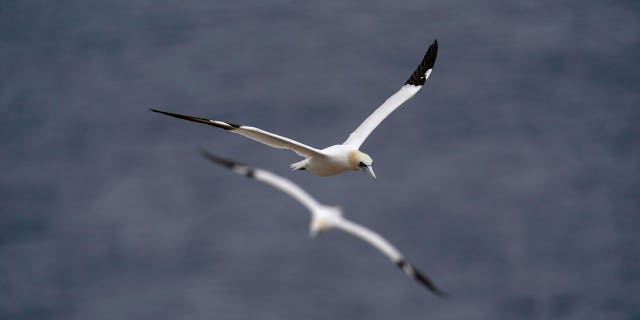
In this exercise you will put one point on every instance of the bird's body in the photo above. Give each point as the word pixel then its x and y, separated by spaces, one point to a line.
pixel 338 158
pixel 333 160
pixel 325 217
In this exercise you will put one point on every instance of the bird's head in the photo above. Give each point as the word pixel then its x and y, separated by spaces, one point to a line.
pixel 323 219
pixel 362 161
pixel 318 226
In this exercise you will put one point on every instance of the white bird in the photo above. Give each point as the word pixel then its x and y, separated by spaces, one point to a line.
pixel 341 157
pixel 324 217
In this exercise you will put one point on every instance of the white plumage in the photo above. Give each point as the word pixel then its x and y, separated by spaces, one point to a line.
pixel 324 217
pixel 342 157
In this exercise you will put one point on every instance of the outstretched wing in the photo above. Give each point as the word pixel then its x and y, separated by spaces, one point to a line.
pixel 267 177
pixel 310 203
pixel 388 250
pixel 252 133
pixel 411 87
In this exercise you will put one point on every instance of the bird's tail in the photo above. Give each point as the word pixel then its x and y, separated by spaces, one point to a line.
pixel 300 165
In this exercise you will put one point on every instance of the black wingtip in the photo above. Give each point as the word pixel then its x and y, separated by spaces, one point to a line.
pixel 428 61
pixel 230 164
pixel 218 124
pixel 169 113
pixel 219 160
pixel 413 272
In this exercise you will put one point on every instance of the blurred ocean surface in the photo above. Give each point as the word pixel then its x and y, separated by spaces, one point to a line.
pixel 512 179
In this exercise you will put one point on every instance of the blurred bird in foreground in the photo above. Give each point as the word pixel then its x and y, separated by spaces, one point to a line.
pixel 324 217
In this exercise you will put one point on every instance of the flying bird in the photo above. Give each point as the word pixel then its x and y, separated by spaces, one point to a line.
pixel 324 217
pixel 341 157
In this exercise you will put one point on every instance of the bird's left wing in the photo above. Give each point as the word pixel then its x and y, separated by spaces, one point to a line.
pixel 267 177
pixel 262 136
pixel 388 250
pixel 411 87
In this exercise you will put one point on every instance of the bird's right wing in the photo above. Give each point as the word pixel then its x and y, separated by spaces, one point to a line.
pixel 411 87
pixel 267 177
pixel 388 250
pixel 255 134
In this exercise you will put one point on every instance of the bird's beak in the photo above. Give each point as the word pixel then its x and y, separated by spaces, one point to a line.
pixel 368 170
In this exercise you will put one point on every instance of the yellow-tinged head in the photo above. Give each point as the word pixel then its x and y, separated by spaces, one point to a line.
pixel 362 161
pixel 324 219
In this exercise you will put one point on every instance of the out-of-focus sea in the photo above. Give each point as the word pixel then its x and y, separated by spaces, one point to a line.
pixel 512 179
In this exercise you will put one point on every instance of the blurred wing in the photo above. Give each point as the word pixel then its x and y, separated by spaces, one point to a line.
pixel 267 177
pixel 411 87
pixel 255 134
pixel 388 250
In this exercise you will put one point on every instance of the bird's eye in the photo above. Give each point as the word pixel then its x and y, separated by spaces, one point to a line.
pixel 361 164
